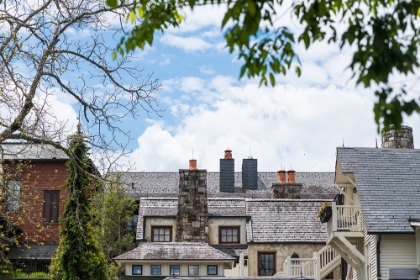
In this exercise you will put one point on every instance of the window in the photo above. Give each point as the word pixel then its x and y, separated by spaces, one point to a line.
pixel 161 234
pixel 193 270
pixel 137 270
pixel 155 270
pixel 229 234
pixel 50 209
pixel 174 270
pixel 212 270
pixel 13 195
pixel 266 264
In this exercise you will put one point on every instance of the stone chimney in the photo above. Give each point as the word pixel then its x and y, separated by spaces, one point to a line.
pixel 398 139
pixel 286 190
pixel 227 173
pixel 192 217
pixel 249 174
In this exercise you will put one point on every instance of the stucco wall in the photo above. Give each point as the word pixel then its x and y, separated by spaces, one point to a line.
pixel 214 224
pixel 150 222
pixel 282 252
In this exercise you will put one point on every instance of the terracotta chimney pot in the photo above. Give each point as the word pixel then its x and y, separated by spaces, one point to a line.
pixel 228 154
pixel 291 176
pixel 281 176
pixel 193 164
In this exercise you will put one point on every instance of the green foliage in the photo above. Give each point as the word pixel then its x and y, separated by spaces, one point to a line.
pixel 78 255
pixel 385 35
pixel 113 214
pixel 38 274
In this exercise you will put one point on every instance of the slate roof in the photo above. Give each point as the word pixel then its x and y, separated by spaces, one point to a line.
pixel 272 220
pixel 158 196
pixel 388 184
pixel 34 252
pixel 174 251
pixel 161 184
pixel 285 220
pixel 30 151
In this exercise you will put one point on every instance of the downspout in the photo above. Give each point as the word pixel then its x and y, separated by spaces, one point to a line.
pixel 378 256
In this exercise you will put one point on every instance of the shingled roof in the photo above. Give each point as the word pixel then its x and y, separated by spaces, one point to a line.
pixel 160 184
pixel 158 196
pixel 29 151
pixel 174 251
pixel 32 252
pixel 388 184
pixel 285 220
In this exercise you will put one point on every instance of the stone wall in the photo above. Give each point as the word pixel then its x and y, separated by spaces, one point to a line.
pixel 192 216
pixel 398 139
pixel 286 190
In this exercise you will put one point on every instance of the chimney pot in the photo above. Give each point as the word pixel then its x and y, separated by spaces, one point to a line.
pixel 193 164
pixel 281 176
pixel 228 154
pixel 291 176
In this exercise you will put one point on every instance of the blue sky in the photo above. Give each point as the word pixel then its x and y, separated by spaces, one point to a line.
pixel 205 109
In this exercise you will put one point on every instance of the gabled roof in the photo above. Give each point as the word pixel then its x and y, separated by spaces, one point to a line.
pixel 284 221
pixel 388 184
pixel 174 251
pixel 28 151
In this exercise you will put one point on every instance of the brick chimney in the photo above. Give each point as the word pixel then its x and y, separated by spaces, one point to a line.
pixel 402 139
pixel 286 190
pixel 249 174
pixel 227 173
pixel 192 217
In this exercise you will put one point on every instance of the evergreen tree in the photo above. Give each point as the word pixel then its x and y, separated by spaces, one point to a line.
pixel 78 255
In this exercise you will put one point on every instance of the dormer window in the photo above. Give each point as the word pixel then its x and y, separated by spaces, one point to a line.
pixel 161 233
pixel 229 234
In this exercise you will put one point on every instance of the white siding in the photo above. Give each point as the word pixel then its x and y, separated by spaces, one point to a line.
pixel 397 251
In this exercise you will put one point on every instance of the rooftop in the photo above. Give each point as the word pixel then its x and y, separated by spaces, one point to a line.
pixel 388 184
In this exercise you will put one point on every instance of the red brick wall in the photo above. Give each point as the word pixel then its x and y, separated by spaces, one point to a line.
pixel 37 176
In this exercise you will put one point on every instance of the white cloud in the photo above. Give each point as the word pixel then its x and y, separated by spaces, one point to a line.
pixel 199 18
pixel 285 125
pixel 188 44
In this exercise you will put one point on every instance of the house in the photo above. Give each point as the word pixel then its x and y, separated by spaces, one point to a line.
pixel 376 228
pixel 265 221
pixel 31 198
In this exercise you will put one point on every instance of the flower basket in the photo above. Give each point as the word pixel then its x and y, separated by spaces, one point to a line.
pixel 326 215
pixel 325 212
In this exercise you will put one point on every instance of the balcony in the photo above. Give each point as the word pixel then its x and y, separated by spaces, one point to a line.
pixel 343 229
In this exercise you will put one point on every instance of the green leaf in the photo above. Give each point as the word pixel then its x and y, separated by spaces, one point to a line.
pixel 272 80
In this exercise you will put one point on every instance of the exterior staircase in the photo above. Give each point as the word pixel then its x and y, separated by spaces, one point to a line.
pixel 319 266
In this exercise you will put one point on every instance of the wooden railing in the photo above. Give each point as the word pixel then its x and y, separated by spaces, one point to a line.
pixel 316 267
pixel 345 218
pixel 300 267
